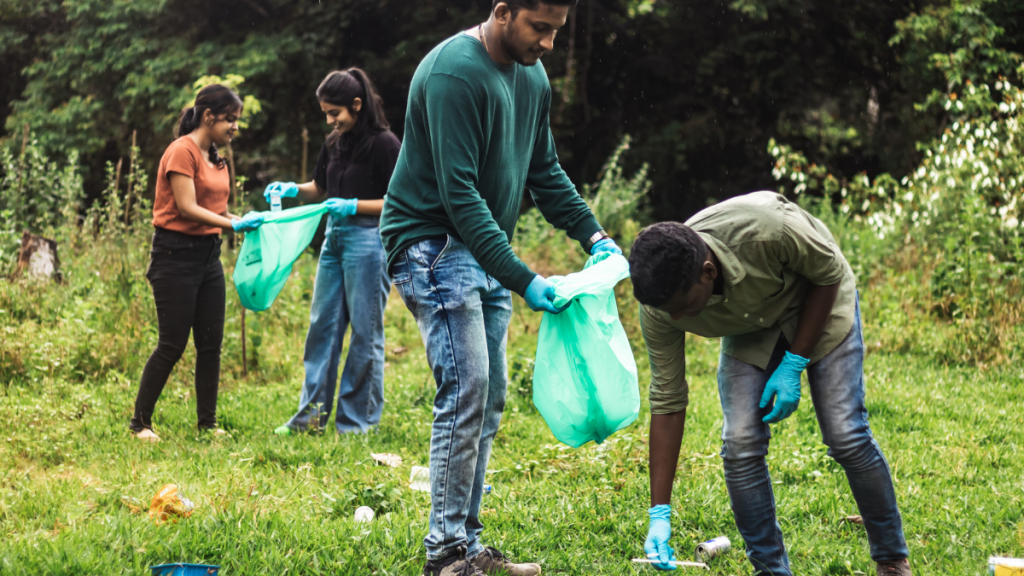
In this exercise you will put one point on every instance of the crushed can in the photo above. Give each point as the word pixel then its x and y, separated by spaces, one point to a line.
pixel 712 549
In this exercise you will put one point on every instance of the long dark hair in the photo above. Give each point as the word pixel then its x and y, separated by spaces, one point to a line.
pixel 216 98
pixel 341 88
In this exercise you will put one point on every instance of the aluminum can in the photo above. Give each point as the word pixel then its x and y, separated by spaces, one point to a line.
pixel 712 549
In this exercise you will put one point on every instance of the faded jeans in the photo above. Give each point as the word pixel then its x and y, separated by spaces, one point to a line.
pixel 351 288
pixel 463 316
pixel 837 391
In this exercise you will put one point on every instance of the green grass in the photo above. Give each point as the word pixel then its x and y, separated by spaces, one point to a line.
pixel 271 505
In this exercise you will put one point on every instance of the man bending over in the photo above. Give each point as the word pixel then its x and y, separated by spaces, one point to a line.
pixel 768 278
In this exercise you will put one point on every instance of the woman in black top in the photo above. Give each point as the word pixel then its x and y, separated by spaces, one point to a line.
pixel 352 285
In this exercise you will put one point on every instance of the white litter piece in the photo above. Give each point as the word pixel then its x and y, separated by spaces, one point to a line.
pixel 393 460
pixel 364 514
pixel 419 479
pixel 676 563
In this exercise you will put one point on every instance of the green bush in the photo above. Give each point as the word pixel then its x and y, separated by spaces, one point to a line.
pixel 950 232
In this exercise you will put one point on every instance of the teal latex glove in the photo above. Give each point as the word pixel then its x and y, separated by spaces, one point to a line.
pixel 540 296
pixel 785 386
pixel 605 245
pixel 282 189
pixel 251 221
pixel 341 207
pixel 656 547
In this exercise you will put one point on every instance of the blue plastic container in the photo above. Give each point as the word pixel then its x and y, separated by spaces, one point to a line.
pixel 184 570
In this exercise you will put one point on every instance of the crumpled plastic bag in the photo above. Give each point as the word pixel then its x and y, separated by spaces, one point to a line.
pixel 585 379
pixel 169 504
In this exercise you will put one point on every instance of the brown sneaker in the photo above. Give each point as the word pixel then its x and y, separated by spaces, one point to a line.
pixel 494 563
pixel 897 568
pixel 453 565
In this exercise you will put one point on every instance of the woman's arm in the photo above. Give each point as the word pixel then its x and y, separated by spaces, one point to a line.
pixel 184 189
pixel 370 207
pixel 310 192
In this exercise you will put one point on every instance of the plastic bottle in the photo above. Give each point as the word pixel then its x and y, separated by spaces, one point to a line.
pixel 275 202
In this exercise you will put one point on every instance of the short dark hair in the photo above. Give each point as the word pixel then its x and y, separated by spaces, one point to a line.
pixel 666 258
pixel 516 5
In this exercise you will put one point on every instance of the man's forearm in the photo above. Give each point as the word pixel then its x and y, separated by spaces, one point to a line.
pixel 817 309
pixel 666 438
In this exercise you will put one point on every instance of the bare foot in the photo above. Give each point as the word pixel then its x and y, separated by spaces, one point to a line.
pixel 147 435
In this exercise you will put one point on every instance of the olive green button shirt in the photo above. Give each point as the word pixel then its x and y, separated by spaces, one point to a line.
pixel 771 252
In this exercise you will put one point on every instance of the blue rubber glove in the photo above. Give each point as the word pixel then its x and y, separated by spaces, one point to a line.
pixel 605 245
pixel 658 533
pixel 785 386
pixel 540 296
pixel 251 221
pixel 341 207
pixel 282 189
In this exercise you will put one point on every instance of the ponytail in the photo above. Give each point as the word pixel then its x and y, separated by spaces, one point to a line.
pixel 219 100
pixel 341 88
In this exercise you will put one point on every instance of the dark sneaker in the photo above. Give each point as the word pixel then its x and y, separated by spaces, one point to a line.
pixel 897 568
pixel 455 564
pixel 494 563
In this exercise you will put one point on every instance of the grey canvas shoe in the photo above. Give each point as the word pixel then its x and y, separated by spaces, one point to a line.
pixel 897 568
pixel 494 563
pixel 455 564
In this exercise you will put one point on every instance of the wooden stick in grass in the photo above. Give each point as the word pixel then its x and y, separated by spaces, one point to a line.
pixel 673 562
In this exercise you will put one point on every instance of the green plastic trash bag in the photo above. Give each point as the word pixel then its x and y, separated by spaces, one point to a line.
pixel 584 380
pixel 268 253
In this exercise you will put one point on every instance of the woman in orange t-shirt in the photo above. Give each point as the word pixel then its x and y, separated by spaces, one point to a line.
pixel 189 212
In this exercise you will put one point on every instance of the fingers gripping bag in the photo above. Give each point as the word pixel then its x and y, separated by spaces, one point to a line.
pixel 267 254
pixel 585 380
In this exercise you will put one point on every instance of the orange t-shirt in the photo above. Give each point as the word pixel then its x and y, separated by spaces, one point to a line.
pixel 213 186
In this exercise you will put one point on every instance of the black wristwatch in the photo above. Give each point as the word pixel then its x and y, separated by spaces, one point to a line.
pixel 597 237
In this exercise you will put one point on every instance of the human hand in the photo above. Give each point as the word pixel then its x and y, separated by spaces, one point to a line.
pixel 282 189
pixel 251 221
pixel 658 534
pixel 785 386
pixel 540 296
pixel 605 245
pixel 341 207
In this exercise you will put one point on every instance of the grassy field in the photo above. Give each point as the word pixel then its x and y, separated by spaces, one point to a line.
pixel 71 477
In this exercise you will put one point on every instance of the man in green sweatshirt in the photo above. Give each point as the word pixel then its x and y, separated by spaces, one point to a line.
pixel 477 136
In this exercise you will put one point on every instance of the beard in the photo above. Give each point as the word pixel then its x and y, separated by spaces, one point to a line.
pixel 520 56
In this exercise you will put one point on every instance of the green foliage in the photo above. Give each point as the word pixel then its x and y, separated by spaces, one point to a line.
pixel 36 194
pixel 957 39
pixel 955 222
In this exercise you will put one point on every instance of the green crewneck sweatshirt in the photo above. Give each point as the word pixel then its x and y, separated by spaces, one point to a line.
pixel 477 135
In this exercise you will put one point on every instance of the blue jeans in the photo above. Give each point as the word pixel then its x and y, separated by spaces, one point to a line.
pixel 837 390
pixel 351 288
pixel 463 316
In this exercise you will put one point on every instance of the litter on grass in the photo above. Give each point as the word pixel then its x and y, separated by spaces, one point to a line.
pixel 712 549
pixel 364 514
pixel 676 563
pixel 169 504
pixel 419 479
pixel 1005 566
pixel 392 460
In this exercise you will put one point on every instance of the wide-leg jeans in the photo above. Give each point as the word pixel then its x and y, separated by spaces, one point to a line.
pixel 463 316
pixel 837 391
pixel 351 288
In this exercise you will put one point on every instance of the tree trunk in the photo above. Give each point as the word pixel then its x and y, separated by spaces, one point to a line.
pixel 37 258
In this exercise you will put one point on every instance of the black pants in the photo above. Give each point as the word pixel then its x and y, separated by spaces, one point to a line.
pixel 188 287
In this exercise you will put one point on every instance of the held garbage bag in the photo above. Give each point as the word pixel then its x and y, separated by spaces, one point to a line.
pixel 267 255
pixel 584 379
